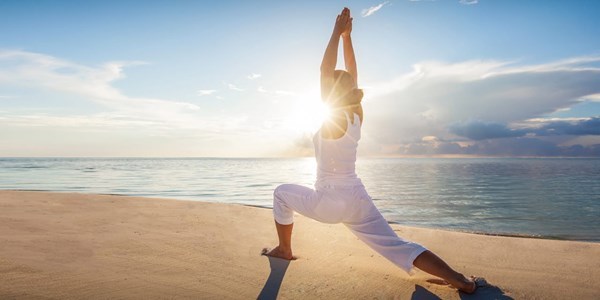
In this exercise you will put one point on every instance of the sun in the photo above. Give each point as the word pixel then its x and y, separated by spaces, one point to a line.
pixel 307 116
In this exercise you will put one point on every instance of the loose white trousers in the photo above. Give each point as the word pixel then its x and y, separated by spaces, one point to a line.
pixel 352 206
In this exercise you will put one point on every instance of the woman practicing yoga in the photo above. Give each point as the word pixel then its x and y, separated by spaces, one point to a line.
pixel 339 195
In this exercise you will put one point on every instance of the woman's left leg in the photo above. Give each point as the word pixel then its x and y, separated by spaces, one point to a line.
pixel 432 264
pixel 284 249
pixel 372 228
pixel 288 198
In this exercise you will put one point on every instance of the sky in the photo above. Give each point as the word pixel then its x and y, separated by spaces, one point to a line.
pixel 241 78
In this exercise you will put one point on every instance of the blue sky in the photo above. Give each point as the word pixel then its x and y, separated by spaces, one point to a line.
pixel 225 78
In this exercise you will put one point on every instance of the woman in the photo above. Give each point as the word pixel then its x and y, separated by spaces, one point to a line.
pixel 339 195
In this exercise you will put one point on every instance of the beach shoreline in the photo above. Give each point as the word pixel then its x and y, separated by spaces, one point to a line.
pixel 74 245
pixel 503 234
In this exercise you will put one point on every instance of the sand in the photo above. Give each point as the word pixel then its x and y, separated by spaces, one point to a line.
pixel 87 246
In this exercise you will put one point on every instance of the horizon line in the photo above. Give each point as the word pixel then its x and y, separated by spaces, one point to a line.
pixel 292 157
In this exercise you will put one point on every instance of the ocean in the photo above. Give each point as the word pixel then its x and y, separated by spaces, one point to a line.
pixel 557 198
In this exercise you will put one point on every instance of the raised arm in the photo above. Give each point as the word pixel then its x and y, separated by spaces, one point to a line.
pixel 330 57
pixel 328 64
pixel 349 58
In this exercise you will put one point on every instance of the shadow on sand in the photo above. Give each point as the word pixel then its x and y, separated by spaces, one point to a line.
pixel 279 267
pixel 487 292
pixel 271 288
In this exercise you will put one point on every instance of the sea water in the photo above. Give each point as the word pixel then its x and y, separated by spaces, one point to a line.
pixel 538 197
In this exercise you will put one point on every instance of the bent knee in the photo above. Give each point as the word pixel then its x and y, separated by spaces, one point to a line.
pixel 279 190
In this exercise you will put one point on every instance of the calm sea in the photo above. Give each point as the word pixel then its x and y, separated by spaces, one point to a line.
pixel 540 197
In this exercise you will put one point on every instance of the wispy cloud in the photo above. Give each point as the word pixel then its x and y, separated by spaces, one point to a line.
pixel 594 98
pixel 253 76
pixel 519 146
pixel 40 71
pixel 121 134
pixel 373 9
pixel 234 88
pixel 120 120
pixel 180 125
pixel 468 2
pixel 480 107
pixel 261 89
pixel 206 92
pixel 284 93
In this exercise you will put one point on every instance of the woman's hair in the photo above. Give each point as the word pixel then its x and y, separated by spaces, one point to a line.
pixel 345 91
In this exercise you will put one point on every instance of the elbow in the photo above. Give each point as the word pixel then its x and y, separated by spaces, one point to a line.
pixel 323 68
pixel 327 67
pixel 323 64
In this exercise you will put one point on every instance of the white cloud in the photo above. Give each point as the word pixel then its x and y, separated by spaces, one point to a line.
pixel 593 98
pixel 234 88
pixel 116 134
pixel 547 120
pixel 253 76
pixel 261 89
pixel 284 93
pixel 125 115
pixel 206 92
pixel 110 121
pixel 435 95
pixel 40 71
pixel 468 2
pixel 126 125
pixel 373 9
pixel 415 108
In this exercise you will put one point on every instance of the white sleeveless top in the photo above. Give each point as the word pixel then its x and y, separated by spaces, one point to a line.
pixel 336 158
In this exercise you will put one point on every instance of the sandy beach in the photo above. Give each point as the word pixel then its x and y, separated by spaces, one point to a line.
pixel 88 246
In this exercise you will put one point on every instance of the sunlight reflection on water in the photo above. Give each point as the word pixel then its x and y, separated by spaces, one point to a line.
pixel 548 197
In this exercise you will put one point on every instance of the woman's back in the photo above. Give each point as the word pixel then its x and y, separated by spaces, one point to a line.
pixel 336 158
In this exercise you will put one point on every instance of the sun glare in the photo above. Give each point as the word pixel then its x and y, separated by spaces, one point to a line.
pixel 308 116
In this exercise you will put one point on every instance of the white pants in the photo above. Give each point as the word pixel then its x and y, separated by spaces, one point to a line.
pixel 352 206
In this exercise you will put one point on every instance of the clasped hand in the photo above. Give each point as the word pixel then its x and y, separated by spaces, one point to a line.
pixel 343 23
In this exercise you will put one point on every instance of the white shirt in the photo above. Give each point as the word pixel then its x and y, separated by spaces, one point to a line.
pixel 336 158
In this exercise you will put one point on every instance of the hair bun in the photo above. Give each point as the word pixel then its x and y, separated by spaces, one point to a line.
pixel 359 94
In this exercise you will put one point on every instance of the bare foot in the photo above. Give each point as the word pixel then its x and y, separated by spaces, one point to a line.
pixel 471 284
pixel 277 252
pixel 438 281
pixel 468 287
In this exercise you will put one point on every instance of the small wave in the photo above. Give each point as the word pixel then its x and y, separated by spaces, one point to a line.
pixel 206 194
pixel 258 185
pixel 112 194
pixel 30 167
pixel 30 190
pixel 76 187
pixel 258 206
pixel 517 235
pixel 503 234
